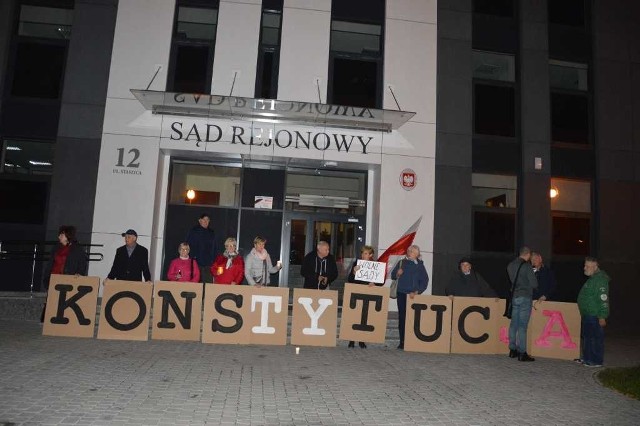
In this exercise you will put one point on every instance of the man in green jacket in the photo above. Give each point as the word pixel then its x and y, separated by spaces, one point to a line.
pixel 593 302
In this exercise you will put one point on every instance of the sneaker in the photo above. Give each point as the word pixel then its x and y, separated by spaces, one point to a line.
pixel 592 365
pixel 351 344
pixel 579 361
pixel 362 345
pixel 513 353
pixel 401 346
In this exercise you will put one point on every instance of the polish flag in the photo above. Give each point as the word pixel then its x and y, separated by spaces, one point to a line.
pixel 399 248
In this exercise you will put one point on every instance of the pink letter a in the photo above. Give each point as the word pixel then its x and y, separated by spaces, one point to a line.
pixel 555 318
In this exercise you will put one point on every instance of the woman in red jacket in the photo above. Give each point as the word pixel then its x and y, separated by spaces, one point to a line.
pixel 228 268
pixel 184 268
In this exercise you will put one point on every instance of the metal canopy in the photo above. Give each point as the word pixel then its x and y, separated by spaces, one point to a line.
pixel 271 110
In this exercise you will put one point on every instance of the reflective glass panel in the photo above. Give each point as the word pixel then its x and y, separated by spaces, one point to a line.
pixel 45 22
pixel 497 191
pixel 27 157
pixel 211 185
pixel 493 66
pixel 568 75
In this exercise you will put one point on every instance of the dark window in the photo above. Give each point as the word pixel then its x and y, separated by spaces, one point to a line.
pixel 494 200
pixel 269 50
pixel 494 110
pixel 571 235
pixel 566 12
pixel 570 118
pixel 23 202
pixel 494 231
pixel 41 42
pixel 503 8
pixel 192 46
pixel 356 53
pixel 38 70
pixel 27 157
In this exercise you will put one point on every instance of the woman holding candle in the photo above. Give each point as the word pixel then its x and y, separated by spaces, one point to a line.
pixel 228 268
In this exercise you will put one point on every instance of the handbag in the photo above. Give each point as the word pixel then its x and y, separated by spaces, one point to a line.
pixel 508 309
pixel 393 289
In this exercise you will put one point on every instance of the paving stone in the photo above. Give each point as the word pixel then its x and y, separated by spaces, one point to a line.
pixel 49 380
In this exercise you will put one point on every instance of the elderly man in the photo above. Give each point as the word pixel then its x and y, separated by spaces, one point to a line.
pixel 546 279
pixel 468 283
pixel 131 262
pixel 593 303
pixel 412 279
pixel 523 282
pixel 319 267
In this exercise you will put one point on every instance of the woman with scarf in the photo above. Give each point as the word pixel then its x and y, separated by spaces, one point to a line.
pixel 257 265
pixel 67 258
pixel 228 268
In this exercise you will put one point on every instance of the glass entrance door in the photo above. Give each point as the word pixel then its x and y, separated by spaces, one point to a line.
pixel 304 230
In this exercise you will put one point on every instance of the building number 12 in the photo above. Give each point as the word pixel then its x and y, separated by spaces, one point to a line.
pixel 134 161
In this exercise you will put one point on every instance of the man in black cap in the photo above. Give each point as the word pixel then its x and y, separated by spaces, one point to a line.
pixel 131 261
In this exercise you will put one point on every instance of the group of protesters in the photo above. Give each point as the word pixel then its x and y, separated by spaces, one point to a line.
pixel 198 261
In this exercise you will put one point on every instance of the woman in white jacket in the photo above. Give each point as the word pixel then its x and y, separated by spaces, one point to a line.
pixel 257 265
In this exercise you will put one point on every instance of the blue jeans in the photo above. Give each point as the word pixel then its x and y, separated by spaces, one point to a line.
pixel 592 340
pixel 519 323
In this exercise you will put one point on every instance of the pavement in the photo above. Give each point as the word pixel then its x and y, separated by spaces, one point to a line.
pixel 53 380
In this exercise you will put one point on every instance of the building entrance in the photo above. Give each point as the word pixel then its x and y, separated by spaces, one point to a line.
pixel 302 232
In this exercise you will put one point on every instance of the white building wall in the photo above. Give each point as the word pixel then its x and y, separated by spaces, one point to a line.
pixel 410 69
pixel 304 50
pixel 135 197
pixel 236 47
pixel 125 195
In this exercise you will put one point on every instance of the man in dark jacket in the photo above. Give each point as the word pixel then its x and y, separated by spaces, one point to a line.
pixel 319 267
pixel 131 262
pixel 546 279
pixel 202 241
pixel 468 283
pixel 523 282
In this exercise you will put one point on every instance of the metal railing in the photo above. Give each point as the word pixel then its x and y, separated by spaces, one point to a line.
pixel 16 256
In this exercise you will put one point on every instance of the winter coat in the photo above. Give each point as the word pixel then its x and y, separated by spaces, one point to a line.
pixel 76 263
pixel 130 268
pixel 414 276
pixel 258 271
pixel 593 299
pixel 234 273
pixel 188 269
pixel 546 283
pixel 202 242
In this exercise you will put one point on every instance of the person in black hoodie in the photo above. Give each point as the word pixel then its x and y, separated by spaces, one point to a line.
pixel 468 283
pixel 319 267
